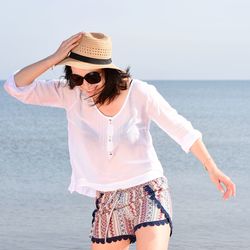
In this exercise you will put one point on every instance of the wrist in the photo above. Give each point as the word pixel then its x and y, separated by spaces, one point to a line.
pixel 51 60
pixel 209 164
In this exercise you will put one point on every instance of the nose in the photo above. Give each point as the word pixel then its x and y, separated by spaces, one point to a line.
pixel 87 86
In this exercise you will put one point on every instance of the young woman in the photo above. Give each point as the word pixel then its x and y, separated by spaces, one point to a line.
pixel 111 150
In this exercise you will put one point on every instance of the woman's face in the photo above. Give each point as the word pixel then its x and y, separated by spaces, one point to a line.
pixel 90 89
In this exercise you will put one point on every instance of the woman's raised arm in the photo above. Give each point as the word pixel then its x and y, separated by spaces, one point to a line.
pixel 29 73
pixel 24 86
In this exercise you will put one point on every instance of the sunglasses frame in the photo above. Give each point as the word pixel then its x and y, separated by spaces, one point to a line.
pixel 80 82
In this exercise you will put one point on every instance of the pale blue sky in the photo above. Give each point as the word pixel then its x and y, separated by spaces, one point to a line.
pixel 179 39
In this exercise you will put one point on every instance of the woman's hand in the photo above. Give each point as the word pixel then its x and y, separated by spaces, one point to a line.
pixel 29 73
pixel 65 47
pixel 223 183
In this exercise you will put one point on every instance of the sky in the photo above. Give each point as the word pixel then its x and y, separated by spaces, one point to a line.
pixel 164 40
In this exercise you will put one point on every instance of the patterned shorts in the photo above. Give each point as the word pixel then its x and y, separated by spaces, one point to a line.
pixel 120 213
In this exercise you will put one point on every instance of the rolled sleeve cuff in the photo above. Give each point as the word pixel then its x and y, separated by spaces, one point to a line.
pixel 10 85
pixel 189 140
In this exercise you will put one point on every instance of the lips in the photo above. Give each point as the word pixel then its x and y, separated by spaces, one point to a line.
pixel 90 91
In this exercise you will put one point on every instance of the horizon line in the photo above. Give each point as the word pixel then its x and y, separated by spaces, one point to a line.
pixel 204 80
pixel 198 79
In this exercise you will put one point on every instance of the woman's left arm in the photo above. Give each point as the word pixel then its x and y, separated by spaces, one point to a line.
pixel 200 151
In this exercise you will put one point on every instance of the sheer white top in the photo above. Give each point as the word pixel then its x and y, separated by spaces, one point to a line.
pixel 109 153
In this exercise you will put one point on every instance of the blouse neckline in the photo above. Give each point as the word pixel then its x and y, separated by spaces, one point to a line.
pixel 122 107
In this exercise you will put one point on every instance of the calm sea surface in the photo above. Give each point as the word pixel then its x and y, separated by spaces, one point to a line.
pixel 37 211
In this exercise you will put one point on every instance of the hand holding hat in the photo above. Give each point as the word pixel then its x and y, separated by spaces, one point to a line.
pixel 66 46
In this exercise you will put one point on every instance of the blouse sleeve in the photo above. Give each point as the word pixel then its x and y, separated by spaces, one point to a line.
pixel 168 119
pixel 40 92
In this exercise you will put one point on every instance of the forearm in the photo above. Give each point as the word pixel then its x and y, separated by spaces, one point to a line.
pixel 200 151
pixel 29 73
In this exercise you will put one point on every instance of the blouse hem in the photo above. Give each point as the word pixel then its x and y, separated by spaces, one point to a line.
pixel 89 189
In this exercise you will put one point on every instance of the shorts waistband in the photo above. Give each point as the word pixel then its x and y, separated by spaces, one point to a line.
pixel 157 182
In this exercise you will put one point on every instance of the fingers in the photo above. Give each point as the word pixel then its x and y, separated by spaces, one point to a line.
pixel 72 42
pixel 230 190
pixel 227 194
pixel 66 46
pixel 74 37
pixel 72 46
pixel 220 187
pixel 224 184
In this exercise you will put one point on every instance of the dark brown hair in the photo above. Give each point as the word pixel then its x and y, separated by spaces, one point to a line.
pixel 115 81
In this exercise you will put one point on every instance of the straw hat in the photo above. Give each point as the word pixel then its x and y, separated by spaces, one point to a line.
pixel 93 52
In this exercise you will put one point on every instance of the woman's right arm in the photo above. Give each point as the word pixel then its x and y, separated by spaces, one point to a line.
pixel 24 86
pixel 28 74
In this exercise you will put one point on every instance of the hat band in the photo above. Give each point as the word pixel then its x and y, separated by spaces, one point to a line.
pixel 89 59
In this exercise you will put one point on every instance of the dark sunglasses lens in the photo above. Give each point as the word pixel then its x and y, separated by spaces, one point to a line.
pixel 76 79
pixel 93 77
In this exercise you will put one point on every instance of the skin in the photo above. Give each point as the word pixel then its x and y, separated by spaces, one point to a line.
pixel 151 237
pixel 147 238
pixel 89 89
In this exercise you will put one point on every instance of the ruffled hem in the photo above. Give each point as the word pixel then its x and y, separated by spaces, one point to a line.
pixel 132 239
pixel 151 194
pixel 151 223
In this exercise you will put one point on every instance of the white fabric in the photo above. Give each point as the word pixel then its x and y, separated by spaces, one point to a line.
pixel 109 153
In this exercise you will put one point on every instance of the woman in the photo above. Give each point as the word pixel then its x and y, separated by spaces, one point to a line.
pixel 111 150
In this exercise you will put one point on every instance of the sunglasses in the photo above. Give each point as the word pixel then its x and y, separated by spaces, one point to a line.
pixel 91 78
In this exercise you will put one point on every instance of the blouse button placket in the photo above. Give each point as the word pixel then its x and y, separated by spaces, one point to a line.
pixel 110 132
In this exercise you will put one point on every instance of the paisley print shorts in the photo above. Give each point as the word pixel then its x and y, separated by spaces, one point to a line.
pixel 120 213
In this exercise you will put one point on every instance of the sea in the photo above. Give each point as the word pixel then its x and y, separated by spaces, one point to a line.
pixel 37 212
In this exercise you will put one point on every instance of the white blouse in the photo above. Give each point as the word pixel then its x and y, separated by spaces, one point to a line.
pixel 109 153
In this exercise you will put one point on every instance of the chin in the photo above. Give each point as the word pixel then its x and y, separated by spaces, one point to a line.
pixel 90 93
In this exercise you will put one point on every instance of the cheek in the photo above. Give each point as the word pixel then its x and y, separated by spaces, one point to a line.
pixel 101 85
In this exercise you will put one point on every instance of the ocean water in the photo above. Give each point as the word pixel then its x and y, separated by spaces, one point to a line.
pixel 38 212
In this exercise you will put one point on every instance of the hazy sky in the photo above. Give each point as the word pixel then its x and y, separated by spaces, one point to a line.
pixel 178 39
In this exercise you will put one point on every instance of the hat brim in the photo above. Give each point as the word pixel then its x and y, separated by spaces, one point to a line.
pixel 84 65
